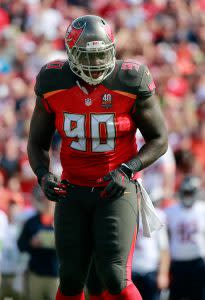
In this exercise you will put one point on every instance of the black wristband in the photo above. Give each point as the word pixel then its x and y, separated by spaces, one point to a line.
pixel 126 170
pixel 135 165
pixel 40 172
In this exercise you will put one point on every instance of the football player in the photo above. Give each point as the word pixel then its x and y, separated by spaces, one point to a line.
pixel 96 103
pixel 186 225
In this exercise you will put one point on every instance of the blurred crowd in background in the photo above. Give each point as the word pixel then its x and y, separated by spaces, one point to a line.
pixel 167 35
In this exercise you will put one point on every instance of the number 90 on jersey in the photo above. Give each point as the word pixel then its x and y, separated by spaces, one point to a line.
pixel 102 131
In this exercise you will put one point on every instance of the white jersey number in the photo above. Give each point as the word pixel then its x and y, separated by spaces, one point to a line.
pixel 74 127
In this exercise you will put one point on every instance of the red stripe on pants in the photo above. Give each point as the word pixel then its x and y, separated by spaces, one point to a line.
pixel 129 260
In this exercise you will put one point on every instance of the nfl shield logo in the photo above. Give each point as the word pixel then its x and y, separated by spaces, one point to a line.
pixel 107 100
pixel 88 101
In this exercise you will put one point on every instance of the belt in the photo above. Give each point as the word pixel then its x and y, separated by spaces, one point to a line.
pixel 65 185
pixel 86 188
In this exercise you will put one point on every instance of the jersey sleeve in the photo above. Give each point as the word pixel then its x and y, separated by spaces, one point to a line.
pixel 147 86
pixel 53 76
pixel 39 92
pixel 50 77
pixel 37 88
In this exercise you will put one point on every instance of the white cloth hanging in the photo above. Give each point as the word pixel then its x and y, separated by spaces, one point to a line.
pixel 149 217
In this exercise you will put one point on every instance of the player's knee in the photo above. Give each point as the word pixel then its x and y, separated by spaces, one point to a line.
pixel 113 278
pixel 95 287
pixel 71 283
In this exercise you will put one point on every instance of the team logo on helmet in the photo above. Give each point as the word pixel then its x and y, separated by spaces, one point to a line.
pixel 106 101
pixel 72 35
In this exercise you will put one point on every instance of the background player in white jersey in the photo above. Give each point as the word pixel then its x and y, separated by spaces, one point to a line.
pixel 151 260
pixel 13 263
pixel 3 233
pixel 186 225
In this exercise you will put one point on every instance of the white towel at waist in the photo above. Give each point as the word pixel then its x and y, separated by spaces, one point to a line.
pixel 149 217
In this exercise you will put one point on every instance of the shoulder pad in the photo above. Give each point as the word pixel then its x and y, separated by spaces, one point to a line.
pixel 129 76
pixel 55 75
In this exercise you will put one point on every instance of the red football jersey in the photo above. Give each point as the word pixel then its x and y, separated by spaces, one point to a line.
pixel 97 129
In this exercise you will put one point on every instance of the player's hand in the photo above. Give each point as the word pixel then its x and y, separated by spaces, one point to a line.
pixel 52 188
pixel 163 281
pixel 117 184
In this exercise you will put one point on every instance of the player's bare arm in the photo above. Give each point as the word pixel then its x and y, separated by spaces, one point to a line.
pixel 150 121
pixel 151 124
pixel 42 129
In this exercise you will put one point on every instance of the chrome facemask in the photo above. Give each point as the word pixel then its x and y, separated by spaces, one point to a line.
pixel 95 58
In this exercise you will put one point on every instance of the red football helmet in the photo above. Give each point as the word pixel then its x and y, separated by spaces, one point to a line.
pixel 90 47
